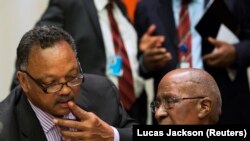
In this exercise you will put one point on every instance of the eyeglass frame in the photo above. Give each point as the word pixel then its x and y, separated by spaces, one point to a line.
pixel 45 88
pixel 168 104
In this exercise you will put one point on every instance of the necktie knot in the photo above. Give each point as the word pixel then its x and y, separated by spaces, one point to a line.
pixel 185 2
pixel 109 6
pixel 184 34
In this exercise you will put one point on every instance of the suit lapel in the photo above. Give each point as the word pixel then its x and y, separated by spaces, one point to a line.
pixel 30 128
pixel 123 9
pixel 92 12
pixel 206 2
pixel 230 4
pixel 165 13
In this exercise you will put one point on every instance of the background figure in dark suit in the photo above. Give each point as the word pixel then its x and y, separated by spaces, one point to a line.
pixel 51 103
pixel 187 96
pixel 162 18
pixel 87 21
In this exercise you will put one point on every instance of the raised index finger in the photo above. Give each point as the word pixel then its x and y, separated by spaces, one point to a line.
pixel 77 111
pixel 151 29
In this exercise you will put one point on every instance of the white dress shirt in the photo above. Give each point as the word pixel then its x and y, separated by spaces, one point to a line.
pixel 129 37
pixel 196 10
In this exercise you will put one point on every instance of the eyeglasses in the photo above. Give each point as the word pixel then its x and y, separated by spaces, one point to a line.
pixel 53 88
pixel 169 102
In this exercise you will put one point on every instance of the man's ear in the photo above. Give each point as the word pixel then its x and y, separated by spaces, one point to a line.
pixel 22 80
pixel 204 108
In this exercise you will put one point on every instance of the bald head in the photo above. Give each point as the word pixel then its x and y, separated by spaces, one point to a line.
pixel 195 85
pixel 193 79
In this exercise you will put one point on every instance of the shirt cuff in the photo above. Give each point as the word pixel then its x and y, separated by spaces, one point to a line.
pixel 116 134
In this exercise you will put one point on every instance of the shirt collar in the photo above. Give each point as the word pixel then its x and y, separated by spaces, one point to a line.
pixel 100 4
pixel 192 1
pixel 46 119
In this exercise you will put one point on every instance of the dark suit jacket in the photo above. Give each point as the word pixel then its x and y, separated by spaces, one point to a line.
pixel 98 95
pixel 235 95
pixel 80 19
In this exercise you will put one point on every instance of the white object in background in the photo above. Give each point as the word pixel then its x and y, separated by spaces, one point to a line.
pixel 226 35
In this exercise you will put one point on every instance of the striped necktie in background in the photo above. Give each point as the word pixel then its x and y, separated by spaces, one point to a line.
pixel 126 86
pixel 184 36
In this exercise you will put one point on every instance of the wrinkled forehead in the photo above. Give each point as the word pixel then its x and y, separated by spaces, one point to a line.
pixel 178 76
pixel 177 88
pixel 59 57
pixel 61 50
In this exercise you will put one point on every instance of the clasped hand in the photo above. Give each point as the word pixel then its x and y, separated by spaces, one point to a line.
pixel 223 55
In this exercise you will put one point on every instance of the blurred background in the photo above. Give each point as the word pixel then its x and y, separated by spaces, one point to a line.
pixel 16 18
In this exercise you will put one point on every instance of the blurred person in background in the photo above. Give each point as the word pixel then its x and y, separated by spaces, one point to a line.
pixel 173 49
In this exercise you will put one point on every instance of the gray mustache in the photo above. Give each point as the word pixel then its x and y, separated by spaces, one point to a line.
pixel 65 98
